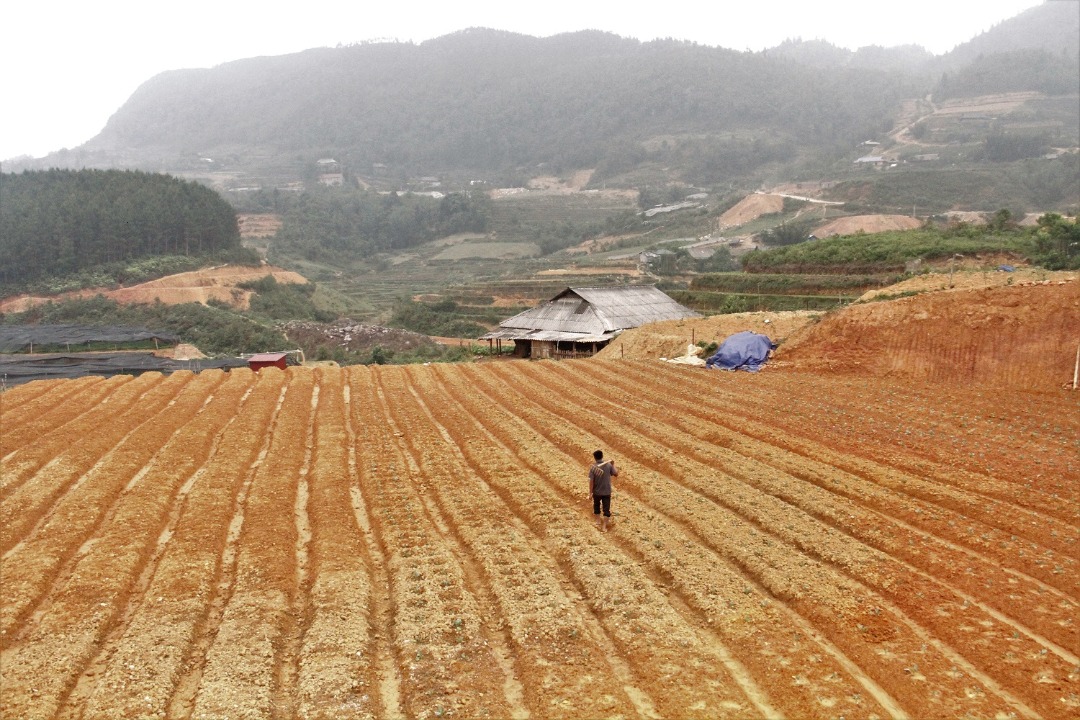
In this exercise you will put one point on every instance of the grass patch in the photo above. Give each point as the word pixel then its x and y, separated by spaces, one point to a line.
pixel 487 251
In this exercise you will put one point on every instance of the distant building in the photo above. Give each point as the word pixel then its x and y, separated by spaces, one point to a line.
pixel 330 172
pixel 581 321
pixel 262 360
pixel 875 161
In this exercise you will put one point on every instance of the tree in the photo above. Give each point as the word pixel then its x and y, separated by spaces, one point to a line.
pixel 1057 242
pixel 787 233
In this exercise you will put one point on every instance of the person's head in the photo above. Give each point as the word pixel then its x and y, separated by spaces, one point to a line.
pixel 598 455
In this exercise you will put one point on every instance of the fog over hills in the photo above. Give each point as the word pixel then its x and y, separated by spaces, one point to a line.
pixel 499 105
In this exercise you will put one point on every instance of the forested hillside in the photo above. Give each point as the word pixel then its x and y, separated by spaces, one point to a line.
pixel 500 107
pixel 484 101
pixel 63 221
pixel 337 225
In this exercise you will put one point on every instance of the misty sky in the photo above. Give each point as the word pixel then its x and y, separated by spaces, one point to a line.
pixel 66 66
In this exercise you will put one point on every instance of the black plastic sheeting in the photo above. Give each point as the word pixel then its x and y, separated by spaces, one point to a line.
pixel 18 369
pixel 22 338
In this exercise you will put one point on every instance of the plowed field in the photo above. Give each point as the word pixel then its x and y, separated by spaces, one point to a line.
pixel 416 541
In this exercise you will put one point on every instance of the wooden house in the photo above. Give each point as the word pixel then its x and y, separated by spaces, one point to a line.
pixel 580 321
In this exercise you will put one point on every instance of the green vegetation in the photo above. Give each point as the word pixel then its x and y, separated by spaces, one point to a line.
pixel 487 104
pixel 274 301
pixel 380 355
pixel 557 222
pixel 214 330
pixel 795 284
pixel 890 252
pixel 115 274
pixel 1031 184
pixel 341 225
pixel 1057 243
pixel 440 319
pixel 679 261
pixel 1018 70
pixel 65 222
pixel 716 303
pixel 787 233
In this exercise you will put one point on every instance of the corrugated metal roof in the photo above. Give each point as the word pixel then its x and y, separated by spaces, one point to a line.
pixel 546 335
pixel 594 312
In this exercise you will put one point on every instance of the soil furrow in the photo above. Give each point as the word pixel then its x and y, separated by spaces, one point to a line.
pixel 961 569
pixel 802 676
pixel 934 605
pixel 843 609
pixel 381 676
pixel 298 617
pixel 942 514
pixel 25 409
pixel 65 635
pixel 334 678
pixel 392 542
pixel 44 559
pixel 543 621
pixel 43 441
pixel 947 453
pixel 447 658
pixel 13 397
pixel 232 395
pixel 51 411
pixel 886 438
pixel 196 578
pixel 241 664
pixel 44 481
pixel 638 615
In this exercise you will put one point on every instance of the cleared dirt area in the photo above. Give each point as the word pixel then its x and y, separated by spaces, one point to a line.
pixel 1020 328
pixel 971 274
pixel 885 524
pixel 219 283
pixel 751 208
pixel 669 339
pixel 867 224
pixel 416 541
pixel 258 225
pixel 999 103
pixel 1024 335
pixel 754 206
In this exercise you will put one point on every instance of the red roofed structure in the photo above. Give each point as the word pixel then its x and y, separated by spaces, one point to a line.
pixel 257 362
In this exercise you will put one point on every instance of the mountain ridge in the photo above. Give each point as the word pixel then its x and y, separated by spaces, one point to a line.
pixel 501 105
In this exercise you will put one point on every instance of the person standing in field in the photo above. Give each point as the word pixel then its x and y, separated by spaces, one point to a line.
pixel 600 475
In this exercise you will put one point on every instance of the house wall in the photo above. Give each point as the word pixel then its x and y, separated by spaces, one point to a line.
pixel 542 349
pixel 545 350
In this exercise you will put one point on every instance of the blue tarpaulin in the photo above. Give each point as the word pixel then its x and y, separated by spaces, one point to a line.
pixel 742 351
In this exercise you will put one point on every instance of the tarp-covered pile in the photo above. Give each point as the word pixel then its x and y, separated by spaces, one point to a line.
pixel 742 351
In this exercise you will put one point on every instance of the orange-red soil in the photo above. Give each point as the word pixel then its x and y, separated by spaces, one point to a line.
pixel 219 283
pixel 258 225
pixel 750 208
pixel 1026 336
pixel 867 224
pixel 416 541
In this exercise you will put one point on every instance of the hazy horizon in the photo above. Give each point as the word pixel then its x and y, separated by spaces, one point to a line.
pixel 68 66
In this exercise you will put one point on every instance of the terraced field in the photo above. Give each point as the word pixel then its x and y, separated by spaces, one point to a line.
pixel 416 541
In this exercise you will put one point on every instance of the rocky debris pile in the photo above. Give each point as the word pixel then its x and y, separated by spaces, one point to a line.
pixel 352 336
